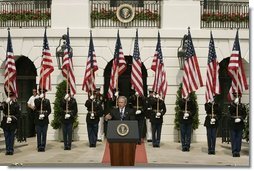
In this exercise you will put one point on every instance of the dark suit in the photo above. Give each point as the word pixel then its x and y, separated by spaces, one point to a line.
pixel 42 106
pixel 92 122
pixel 211 127
pixel 128 114
pixel 67 123
pixel 156 121
pixel 186 123
pixel 10 128
pixel 139 117
pixel 236 128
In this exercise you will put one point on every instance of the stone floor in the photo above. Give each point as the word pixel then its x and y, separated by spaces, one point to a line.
pixel 168 155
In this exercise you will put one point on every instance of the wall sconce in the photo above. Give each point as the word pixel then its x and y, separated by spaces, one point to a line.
pixel 60 51
pixel 181 51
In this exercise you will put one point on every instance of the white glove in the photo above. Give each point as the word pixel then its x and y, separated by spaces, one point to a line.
pixel 186 114
pixel 66 96
pixel 8 100
pixel 213 120
pixel 91 97
pixel 41 116
pixel 158 114
pixel 237 120
pixel 116 94
pixel 9 120
pixel 136 93
pixel 67 116
pixel 157 96
pixel 138 112
pixel 236 101
pixel 41 95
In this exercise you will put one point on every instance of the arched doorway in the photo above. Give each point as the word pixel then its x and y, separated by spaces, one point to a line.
pixel 26 81
pixel 222 99
pixel 124 81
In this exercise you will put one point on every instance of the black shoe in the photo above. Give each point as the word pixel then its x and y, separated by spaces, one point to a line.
pixel 65 148
pixel 7 153
pixel 43 149
pixel 69 148
pixel 183 149
pixel 99 140
pixel 10 153
pixel 149 140
pixel 39 149
pixel 187 149
pixel 234 155
pixel 213 152
pixel 237 154
pixel 154 145
pixel 158 145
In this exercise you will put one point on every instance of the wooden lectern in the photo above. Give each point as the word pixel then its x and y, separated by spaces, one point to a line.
pixel 122 137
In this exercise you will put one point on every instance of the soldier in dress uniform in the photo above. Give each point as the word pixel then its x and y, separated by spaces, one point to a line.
pixel 156 119
pixel 70 110
pixel 100 100
pixel 148 112
pixel 213 114
pixel 136 102
pixel 187 112
pixel 95 111
pixel 9 123
pixel 237 115
pixel 41 120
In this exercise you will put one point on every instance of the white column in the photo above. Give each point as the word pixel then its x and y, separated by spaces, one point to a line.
pixel 70 13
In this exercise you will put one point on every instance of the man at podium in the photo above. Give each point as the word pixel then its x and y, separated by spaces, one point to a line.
pixel 122 112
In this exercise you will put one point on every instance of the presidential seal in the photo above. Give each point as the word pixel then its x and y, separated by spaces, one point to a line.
pixel 122 129
pixel 125 13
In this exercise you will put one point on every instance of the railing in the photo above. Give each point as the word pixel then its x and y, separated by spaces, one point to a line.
pixel 147 13
pixel 219 14
pixel 25 13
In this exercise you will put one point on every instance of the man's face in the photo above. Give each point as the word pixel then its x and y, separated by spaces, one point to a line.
pixel 34 92
pixel 121 103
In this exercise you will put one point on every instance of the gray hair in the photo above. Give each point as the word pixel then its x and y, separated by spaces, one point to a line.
pixel 122 97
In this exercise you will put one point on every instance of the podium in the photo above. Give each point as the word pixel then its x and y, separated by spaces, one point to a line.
pixel 122 137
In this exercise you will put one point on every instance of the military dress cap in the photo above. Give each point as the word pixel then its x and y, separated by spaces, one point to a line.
pixel 150 91
pixel 98 89
pixel 235 94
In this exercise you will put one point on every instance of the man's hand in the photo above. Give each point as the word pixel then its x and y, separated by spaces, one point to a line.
pixel 237 120
pixel 41 95
pixel 9 120
pixel 67 116
pixel 116 94
pixel 108 117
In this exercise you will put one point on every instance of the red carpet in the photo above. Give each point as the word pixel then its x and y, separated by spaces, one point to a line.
pixel 140 156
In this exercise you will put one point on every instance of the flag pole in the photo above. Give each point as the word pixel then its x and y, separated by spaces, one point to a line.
pixel 117 83
pixel 8 93
pixel 92 89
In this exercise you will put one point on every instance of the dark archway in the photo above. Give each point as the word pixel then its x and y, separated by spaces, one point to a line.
pixel 222 99
pixel 125 79
pixel 26 81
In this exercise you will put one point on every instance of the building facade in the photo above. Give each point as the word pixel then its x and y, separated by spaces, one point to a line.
pixel 175 17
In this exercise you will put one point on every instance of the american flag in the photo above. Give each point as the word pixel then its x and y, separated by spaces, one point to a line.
pixel 10 69
pixel 136 72
pixel 236 70
pixel 212 74
pixel 91 67
pixel 46 65
pixel 67 68
pixel 160 83
pixel 192 79
pixel 118 66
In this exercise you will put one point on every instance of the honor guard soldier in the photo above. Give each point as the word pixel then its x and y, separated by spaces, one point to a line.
pixel 70 110
pixel 100 100
pixel 211 123
pixel 9 123
pixel 43 110
pixel 237 115
pixel 136 103
pixel 148 112
pixel 156 118
pixel 95 111
pixel 187 112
